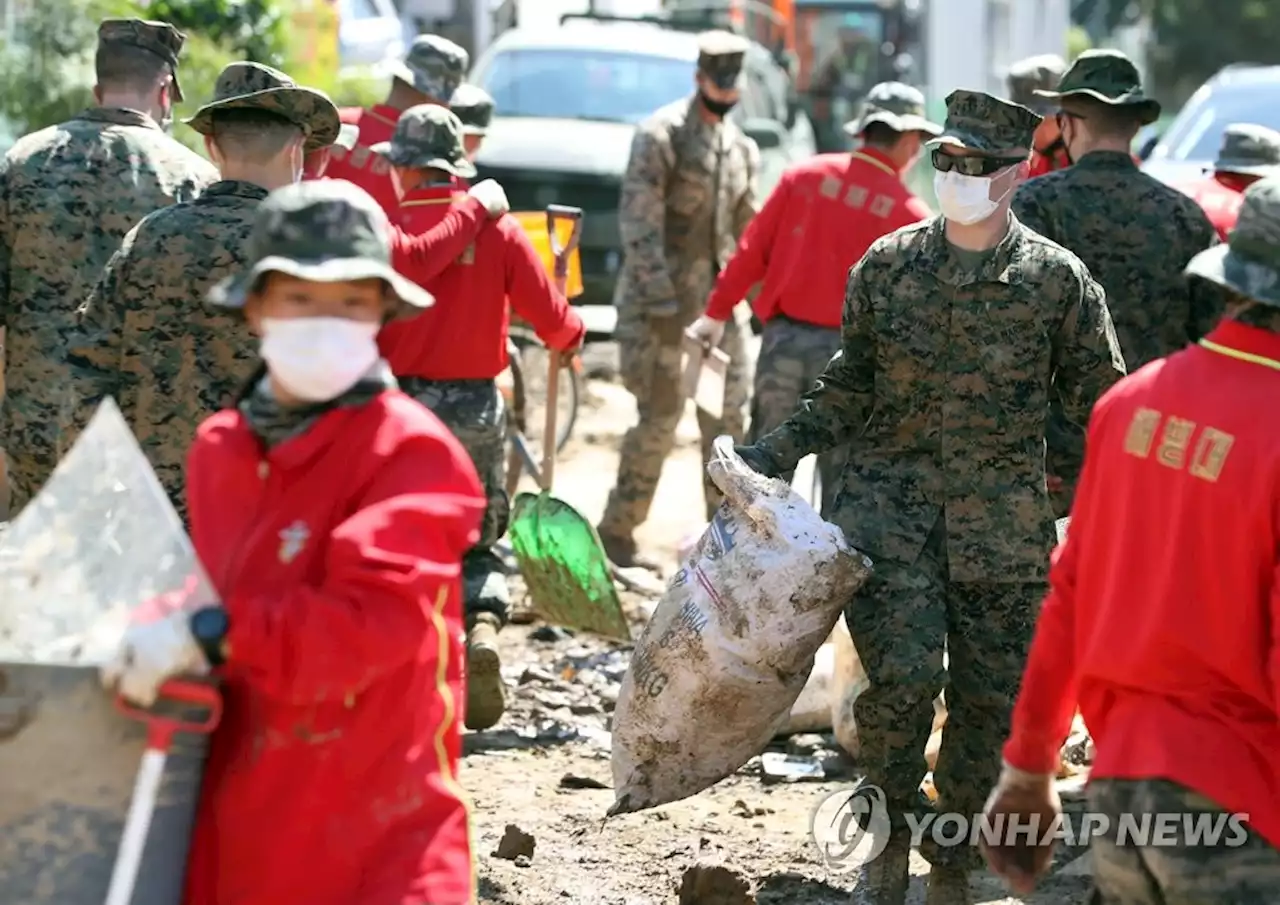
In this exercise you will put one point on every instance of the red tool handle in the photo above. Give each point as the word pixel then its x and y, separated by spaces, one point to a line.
pixel 162 729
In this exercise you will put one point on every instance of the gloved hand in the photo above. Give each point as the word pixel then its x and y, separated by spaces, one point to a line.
pixel 152 653
pixel 662 310
pixel 490 194
pixel 1021 858
pixel 707 330
pixel 758 460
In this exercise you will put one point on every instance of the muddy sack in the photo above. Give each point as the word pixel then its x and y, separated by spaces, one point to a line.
pixel 732 642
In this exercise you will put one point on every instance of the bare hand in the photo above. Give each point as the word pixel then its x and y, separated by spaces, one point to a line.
pixel 1023 821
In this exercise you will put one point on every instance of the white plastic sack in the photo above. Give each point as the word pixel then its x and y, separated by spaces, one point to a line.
pixel 732 641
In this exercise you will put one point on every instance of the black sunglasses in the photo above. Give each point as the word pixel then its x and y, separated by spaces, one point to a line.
pixel 971 166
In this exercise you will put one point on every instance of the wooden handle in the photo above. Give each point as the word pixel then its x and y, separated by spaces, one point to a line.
pixel 549 428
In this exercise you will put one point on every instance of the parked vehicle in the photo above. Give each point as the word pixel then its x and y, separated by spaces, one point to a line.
pixel 567 101
pixel 1240 93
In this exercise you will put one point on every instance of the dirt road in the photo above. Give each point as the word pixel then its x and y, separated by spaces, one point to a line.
pixel 545 769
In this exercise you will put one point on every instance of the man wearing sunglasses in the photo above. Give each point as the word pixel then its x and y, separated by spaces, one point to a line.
pixel 1134 233
pixel 957 331
pixel 821 218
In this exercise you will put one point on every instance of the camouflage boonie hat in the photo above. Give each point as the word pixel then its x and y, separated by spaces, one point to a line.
pixel 1107 76
pixel 160 38
pixel 720 56
pixel 1039 73
pixel 474 108
pixel 1249 150
pixel 254 86
pixel 427 137
pixel 434 66
pixel 328 231
pixel 898 106
pixel 1249 261
pixel 988 124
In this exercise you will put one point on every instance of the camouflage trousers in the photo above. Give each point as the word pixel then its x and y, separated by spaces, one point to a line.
pixel 474 411
pixel 792 357
pixel 1178 874
pixel 651 371
pixel 900 621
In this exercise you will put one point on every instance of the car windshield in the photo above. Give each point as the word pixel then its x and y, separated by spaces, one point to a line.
pixel 1197 132
pixel 584 84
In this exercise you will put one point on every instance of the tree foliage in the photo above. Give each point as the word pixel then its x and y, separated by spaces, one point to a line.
pixel 256 30
pixel 1196 38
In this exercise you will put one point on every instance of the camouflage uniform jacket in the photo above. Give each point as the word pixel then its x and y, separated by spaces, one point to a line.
pixel 1135 235
pixel 68 195
pixel 942 390
pixel 688 194
pixel 148 338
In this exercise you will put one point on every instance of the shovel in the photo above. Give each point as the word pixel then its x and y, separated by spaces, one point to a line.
pixel 568 576
pixel 160 733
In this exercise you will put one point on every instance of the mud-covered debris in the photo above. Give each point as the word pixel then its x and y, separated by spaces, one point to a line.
pixel 523 860
pixel 536 674
pixel 714 883
pixel 776 767
pixel 805 744
pixel 550 634
pixel 515 843
pixel 573 781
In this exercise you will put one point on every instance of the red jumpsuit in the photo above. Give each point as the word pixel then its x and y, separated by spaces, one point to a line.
pixel 332 779
pixel 360 165
pixel 1220 197
pixel 1163 615
pixel 1042 163
pixel 464 336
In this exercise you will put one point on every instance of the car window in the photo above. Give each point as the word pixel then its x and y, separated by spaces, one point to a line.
pixel 1197 131
pixel 584 84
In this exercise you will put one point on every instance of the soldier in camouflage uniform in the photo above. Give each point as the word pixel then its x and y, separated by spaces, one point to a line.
pixel 68 195
pixel 1134 233
pixel 957 332
pixel 148 340
pixel 474 108
pixel 688 194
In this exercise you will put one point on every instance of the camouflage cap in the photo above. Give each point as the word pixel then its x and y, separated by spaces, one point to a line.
pixel 434 66
pixel 1249 261
pixel 1107 76
pixel 985 123
pixel 1250 150
pixel 255 86
pixel 1039 73
pixel 898 106
pixel 428 137
pixel 159 38
pixel 720 56
pixel 474 108
pixel 328 231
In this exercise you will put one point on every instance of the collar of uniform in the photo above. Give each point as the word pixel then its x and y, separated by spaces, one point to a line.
pixel 426 197
pixel 876 158
pixel 236 188
pixel 694 117
pixel 1001 267
pixel 1119 161
pixel 120 116
pixel 389 115
pixel 1244 342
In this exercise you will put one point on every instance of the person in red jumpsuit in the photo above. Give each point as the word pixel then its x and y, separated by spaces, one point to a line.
pixel 1025 77
pixel 331 512
pixel 316 163
pixel 448 358
pixel 431 72
pixel 818 222
pixel 1162 622
pixel 1248 153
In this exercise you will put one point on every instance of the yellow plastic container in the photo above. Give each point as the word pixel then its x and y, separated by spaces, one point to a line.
pixel 535 226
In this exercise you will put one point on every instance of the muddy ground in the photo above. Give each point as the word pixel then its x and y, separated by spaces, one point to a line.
pixel 545 769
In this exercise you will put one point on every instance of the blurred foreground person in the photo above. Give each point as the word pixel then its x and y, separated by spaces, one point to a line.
pixel 1161 622
pixel 688 194
pixel 431 71
pixel 474 108
pixel 818 222
pixel 69 194
pixel 332 511
pixel 1248 153
pixel 1026 77
pixel 449 358
pixel 956 333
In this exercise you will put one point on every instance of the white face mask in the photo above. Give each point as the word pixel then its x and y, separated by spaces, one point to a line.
pixel 966 199
pixel 319 358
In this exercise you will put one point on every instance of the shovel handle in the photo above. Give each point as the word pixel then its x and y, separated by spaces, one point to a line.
pixel 162 729
pixel 549 426
pixel 561 252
